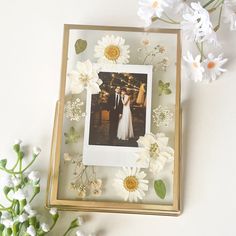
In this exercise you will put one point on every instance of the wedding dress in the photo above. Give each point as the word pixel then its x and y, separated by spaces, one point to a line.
pixel 125 126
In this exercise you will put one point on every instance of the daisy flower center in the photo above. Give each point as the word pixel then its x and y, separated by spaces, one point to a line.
pixel 155 4
pixel 131 183
pixel 195 65
pixel 211 64
pixel 112 52
pixel 145 42
pixel 154 150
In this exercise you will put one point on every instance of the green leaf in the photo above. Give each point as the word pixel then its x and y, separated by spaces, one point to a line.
pixel 3 163
pixel 80 46
pixel 167 91
pixel 160 188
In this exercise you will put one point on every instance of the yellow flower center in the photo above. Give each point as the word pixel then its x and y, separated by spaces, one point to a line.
pixel 112 52
pixel 84 78
pixel 154 150
pixel 211 64
pixel 155 4
pixel 195 65
pixel 131 183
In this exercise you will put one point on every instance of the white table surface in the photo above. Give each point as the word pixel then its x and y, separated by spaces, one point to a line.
pixel 30 60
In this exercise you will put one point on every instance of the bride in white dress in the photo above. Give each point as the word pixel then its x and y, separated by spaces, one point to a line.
pixel 125 126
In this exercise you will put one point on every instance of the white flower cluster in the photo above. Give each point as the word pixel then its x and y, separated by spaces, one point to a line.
pixel 73 109
pixel 197 27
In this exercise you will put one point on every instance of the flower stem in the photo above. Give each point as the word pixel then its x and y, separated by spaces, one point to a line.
pixel 219 19
pixel 18 172
pixel 164 20
pixel 208 3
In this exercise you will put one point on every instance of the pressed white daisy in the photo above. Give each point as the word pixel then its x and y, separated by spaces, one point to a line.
pixel 112 49
pixel 213 66
pixel 130 184
pixel 194 67
pixel 156 152
pixel 196 25
pixel 151 8
pixel 85 77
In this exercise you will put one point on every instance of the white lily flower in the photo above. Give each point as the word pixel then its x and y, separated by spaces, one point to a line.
pixel 31 230
pixel 194 67
pixel 85 77
pixel 53 211
pixel 156 152
pixel 45 227
pixel 36 151
pixel 19 195
pixel 34 176
pixel 213 66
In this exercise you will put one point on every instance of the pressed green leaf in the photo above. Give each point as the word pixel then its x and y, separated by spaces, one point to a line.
pixel 160 188
pixel 80 46
pixel 167 91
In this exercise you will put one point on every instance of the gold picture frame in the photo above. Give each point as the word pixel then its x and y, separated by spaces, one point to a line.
pixel 52 199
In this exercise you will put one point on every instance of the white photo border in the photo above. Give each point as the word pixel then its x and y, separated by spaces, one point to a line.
pixel 117 156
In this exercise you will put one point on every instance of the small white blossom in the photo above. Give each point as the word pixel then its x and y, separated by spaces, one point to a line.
pixel 85 77
pixel 30 211
pixel 31 230
pixel 19 195
pixel 22 218
pixel 80 220
pixel 151 8
pixel 7 181
pixel 8 223
pixel 16 181
pixel 17 142
pixel 80 233
pixel 36 151
pixel 34 176
pixel 53 211
pixel 45 227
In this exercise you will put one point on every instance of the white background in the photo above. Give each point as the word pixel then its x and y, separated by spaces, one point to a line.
pixel 30 58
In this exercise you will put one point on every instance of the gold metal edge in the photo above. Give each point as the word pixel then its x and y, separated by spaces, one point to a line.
pixel 52 199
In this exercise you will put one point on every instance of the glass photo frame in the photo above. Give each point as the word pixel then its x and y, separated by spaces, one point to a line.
pixel 117 128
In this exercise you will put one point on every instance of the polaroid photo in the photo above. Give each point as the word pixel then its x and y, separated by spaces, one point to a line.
pixel 118 116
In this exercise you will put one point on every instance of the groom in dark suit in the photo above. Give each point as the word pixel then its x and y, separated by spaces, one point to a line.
pixel 116 110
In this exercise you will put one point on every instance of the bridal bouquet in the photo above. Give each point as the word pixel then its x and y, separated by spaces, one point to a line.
pixel 200 24
pixel 20 187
